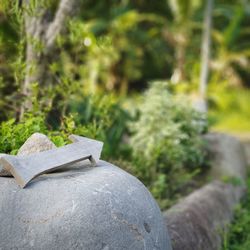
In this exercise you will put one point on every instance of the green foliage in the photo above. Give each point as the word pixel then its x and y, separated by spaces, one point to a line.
pixel 121 45
pixel 13 135
pixel 114 50
pixel 96 117
pixel 231 54
pixel 229 108
pixel 183 9
pixel 166 142
pixel 104 118
pixel 238 238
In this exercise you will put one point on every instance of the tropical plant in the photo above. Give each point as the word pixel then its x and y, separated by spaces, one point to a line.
pixel 183 12
pixel 167 142
pixel 236 237
pixel 232 52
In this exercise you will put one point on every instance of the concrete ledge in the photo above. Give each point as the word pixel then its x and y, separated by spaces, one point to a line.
pixel 197 222
pixel 227 155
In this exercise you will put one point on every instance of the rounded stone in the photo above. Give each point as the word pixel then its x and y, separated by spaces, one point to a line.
pixel 3 172
pixel 37 142
pixel 100 208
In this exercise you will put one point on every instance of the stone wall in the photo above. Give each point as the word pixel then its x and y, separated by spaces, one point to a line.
pixel 197 222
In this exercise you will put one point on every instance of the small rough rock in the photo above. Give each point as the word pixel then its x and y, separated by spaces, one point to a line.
pixel 3 172
pixel 34 144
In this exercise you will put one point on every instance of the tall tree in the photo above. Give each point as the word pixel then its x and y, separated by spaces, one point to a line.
pixel 42 27
pixel 183 12
pixel 205 54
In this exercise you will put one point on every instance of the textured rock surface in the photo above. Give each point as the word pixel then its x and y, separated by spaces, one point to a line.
pixel 247 151
pixel 197 222
pixel 3 172
pixel 82 208
pixel 228 156
pixel 36 143
pixel 245 139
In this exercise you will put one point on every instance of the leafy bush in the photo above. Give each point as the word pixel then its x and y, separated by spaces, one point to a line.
pixel 166 142
pixel 13 135
pixel 96 117
pixel 105 119
pixel 238 238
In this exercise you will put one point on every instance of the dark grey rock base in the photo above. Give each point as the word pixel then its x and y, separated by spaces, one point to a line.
pixel 101 208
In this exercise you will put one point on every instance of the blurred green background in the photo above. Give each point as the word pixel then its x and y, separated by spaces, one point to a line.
pixel 120 46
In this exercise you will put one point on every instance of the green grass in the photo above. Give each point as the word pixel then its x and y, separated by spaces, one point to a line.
pixel 238 236
pixel 229 109
pixel 231 123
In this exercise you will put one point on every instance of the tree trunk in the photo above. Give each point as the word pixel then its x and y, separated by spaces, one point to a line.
pixel 41 31
pixel 180 58
pixel 205 53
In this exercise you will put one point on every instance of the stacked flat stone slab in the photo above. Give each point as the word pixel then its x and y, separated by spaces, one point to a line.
pixel 197 222
pixel 34 144
pixel 100 208
pixel 3 172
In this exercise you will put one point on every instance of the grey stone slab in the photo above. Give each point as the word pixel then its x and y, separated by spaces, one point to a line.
pixel 94 145
pixel 101 208
pixel 26 168
pixel 34 144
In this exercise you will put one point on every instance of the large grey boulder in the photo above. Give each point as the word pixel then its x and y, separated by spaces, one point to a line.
pixel 89 208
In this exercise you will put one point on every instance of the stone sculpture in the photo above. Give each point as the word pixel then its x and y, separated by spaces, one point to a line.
pixel 81 207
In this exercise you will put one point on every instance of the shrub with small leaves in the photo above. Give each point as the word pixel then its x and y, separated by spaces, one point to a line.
pixel 236 236
pixel 13 134
pixel 166 141
pixel 96 117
